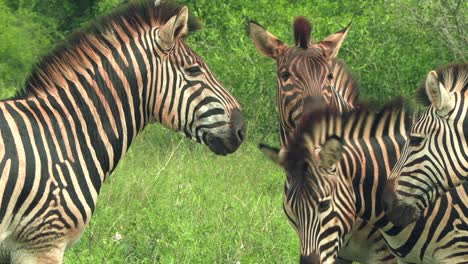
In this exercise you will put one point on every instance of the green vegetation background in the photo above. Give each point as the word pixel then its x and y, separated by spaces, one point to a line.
pixel 171 200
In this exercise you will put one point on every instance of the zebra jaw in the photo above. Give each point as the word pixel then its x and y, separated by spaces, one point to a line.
pixel 399 213
pixel 217 145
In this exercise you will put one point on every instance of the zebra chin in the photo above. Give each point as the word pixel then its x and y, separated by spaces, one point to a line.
pixel 227 142
pixel 313 258
pixel 223 145
pixel 398 212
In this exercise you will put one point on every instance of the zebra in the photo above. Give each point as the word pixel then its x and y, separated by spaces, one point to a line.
pixel 338 166
pixel 311 69
pixel 321 244
pixel 435 159
pixel 305 70
pixel 82 107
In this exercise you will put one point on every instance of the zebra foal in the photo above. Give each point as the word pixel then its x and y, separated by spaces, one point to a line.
pixel 82 107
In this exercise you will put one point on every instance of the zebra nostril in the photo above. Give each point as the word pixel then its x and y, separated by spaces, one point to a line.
pixel 238 126
pixel 240 135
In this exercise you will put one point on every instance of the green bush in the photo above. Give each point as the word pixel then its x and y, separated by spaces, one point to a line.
pixel 24 36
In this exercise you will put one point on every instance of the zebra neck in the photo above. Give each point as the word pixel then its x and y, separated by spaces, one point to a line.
pixel 368 166
pixel 92 118
pixel 344 85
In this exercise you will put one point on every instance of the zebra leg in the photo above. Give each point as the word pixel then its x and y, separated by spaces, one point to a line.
pixel 51 256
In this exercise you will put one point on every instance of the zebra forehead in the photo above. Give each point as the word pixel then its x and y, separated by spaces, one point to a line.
pixel 295 54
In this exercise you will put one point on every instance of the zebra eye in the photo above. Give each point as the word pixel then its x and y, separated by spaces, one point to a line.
pixel 416 141
pixel 285 75
pixel 324 205
pixel 330 76
pixel 193 71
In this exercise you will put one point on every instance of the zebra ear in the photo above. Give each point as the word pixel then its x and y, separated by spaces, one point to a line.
pixel 265 42
pixel 331 153
pixel 332 44
pixel 274 154
pixel 176 27
pixel 438 94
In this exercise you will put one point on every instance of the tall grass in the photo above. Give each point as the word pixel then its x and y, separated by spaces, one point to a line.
pixel 173 201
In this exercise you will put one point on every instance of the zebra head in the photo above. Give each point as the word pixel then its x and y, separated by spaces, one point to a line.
pixel 187 96
pixel 311 196
pixel 435 158
pixel 305 69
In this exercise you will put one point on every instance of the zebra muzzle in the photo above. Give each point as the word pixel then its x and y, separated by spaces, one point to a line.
pixel 399 213
pixel 313 258
pixel 229 141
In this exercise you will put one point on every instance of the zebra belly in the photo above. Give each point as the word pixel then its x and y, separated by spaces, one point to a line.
pixel 366 245
pixel 50 217
pixel 50 230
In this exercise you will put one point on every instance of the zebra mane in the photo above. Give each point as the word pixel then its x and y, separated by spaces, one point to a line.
pixel 137 14
pixel 368 123
pixel 350 96
pixel 454 77
pixel 302 30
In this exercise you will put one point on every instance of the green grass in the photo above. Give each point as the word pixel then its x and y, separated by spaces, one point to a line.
pixel 173 201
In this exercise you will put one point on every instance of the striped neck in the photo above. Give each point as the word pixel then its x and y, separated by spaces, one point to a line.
pixel 102 98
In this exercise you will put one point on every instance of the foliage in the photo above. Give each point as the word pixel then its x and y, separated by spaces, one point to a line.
pixel 447 20
pixel 66 14
pixel 24 36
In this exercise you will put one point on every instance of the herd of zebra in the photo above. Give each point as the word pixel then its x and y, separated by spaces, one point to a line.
pixel 362 184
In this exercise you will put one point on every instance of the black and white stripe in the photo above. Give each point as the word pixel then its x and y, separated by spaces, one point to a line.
pixel 341 164
pixel 435 159
pixel 81 109
pixel 305 71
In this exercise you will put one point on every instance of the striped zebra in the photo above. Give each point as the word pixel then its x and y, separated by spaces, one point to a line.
pixel 80 110
pixel 339 165
pixel 436 156
pixel 305 70
pixel 311 69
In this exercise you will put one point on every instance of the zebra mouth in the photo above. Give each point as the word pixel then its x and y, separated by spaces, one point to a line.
pixel 227 142
pixel 220 146
pixel 399 213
